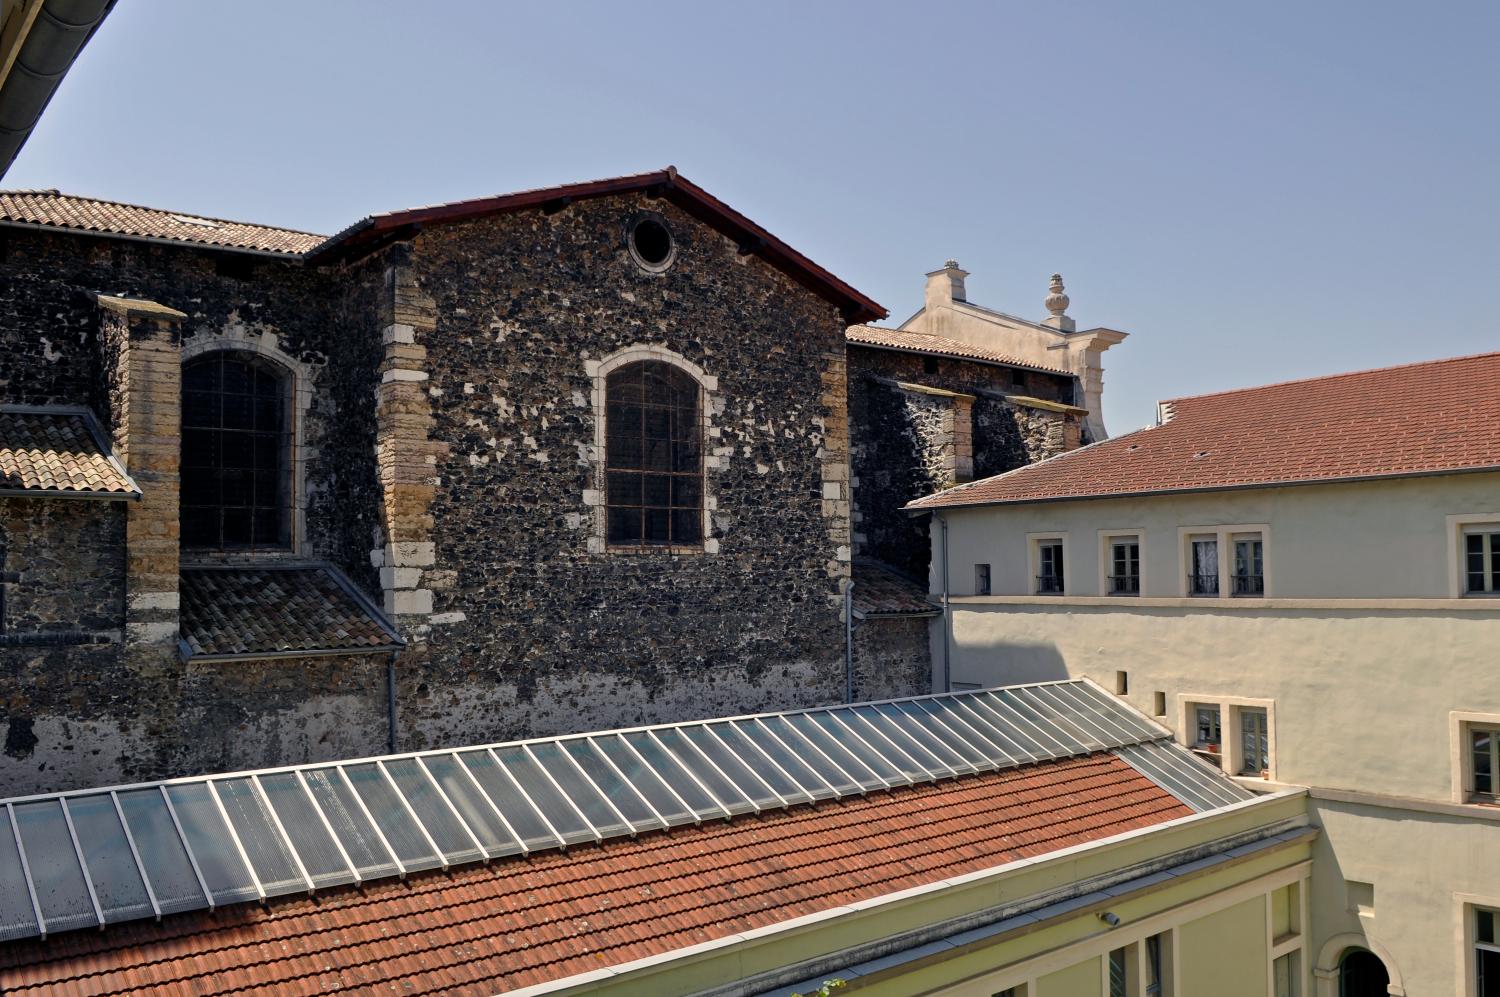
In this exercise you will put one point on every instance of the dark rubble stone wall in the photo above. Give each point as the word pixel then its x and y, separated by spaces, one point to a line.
pixel 890 451
pixel 86 714
pixel 557 638
pixel 892 658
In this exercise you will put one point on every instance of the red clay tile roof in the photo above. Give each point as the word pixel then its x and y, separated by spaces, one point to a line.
pixel 519 922
pixel 880 591
pixel 1436 417
pixel 58 450
pixel 921 342
pixel 276 610
pixel 52 209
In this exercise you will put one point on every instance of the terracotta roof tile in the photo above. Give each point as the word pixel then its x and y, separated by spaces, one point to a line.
pixel 921 342
pixel 880 591
pixel 52 209
pixel 277 610
pixel 1427 418
pixel 58 450
pixel 517 922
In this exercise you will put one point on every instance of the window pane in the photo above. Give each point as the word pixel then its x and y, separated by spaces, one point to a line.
pixel 354 830
pixel 117 882
pixel 1484 776
pixel 305 828
pixel 219 861
pixel 60 889
pixel 235 421
pixel 687 527
pixel 498 787
pixel 162 853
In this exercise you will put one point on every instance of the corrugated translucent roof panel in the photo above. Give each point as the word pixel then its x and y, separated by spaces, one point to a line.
pixel 98 857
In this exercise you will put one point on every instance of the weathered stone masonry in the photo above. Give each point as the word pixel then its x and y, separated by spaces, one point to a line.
pixel 533 626
pixel 925 423
pixel 445 449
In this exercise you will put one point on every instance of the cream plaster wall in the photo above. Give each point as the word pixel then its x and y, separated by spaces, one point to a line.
pixel 1366 540
pixel 1081 980
pixel 1361 655
pixel 1225 952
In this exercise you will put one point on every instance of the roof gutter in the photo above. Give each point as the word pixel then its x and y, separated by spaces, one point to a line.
pixel 59 32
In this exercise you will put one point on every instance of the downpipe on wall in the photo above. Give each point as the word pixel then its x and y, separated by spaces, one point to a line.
pixel 390 703
pixel 947 612
pixel 849 640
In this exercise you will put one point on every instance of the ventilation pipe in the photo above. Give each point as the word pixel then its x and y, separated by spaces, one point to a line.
pixel 58 33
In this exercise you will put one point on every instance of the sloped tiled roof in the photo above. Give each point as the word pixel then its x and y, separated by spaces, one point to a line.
pixel 1437 417
pixel 253 609
pixel 52 209
pixel 879 591
pixel 921 342
pixel 58 450
pixel 521 922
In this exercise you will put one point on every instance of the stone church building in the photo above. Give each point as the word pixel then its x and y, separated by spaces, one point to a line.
pixel 573 458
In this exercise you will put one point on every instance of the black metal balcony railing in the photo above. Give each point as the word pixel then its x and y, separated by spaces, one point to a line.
pixel 1247 584
pixel 1124 584
pixel 1049 585
pixel 1203 584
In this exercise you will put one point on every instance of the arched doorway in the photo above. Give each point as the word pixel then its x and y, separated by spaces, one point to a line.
pixel 1362 974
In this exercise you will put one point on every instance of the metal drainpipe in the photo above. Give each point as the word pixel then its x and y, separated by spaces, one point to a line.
pixel 849 642
pixel 947 611
pixel 390 702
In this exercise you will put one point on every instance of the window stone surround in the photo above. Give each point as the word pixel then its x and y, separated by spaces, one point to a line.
pixel 709 403
pixel 266 344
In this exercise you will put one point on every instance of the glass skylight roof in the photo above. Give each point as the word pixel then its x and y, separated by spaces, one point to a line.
pixel 97 857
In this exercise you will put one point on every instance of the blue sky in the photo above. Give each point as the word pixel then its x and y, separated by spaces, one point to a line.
pixel 1255 191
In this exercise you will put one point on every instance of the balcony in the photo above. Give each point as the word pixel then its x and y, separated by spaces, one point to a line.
pixel 1247 585
pixel 1049 585
pixel 1124 584
pixel 1205 585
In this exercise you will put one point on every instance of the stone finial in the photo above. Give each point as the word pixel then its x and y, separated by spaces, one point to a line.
pixel 1057 307
pixel 1057 301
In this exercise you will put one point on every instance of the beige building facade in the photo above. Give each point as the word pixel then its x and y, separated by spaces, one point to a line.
pixel 1055 341
pixel 1339 636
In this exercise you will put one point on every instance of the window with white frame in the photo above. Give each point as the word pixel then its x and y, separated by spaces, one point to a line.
pixel 1249 575
pixel 1486 952
pixel 1203 565
pixel 1207 734
pixel 1481 559
pixel 1140 969
pixel 1124 565
pixel 1049 561
pixel 1255 741
pixel 1482 745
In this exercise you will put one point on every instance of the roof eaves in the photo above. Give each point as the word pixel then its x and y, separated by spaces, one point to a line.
pixel 101 441
pixel 677 188
pixel 928 502
pixel 951 355
pixel 155 240
pixel 1196 489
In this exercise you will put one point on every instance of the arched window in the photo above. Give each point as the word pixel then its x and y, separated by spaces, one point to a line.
pixel 653 457
pixel 236 453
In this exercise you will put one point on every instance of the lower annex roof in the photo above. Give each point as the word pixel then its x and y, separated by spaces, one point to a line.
pixel 1073 763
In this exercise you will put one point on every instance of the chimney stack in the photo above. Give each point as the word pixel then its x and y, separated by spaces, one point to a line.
pixel 946 286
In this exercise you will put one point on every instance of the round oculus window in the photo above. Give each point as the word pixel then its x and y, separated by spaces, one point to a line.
pixel 651 243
